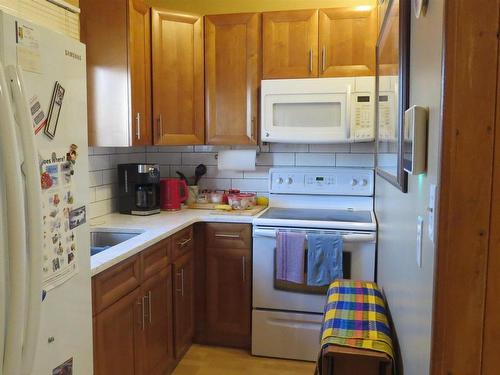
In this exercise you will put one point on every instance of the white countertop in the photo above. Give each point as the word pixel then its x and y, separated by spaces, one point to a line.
pixel 154 228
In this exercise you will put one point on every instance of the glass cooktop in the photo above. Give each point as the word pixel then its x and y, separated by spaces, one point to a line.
pixel 347 216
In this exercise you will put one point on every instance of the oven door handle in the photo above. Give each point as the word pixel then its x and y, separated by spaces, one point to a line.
pixel 351 237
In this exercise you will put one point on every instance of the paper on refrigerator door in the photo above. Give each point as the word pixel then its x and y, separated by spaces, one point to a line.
pixel 28 48
pixel 60 244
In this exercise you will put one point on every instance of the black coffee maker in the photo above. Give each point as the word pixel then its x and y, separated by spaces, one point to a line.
pixel 139 186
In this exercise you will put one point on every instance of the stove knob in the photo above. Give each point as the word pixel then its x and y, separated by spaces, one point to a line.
pixel 354 182
pixel 364 182
pixel 290 181
pixel 280 180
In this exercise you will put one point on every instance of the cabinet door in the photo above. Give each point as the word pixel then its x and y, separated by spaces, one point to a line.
pixel 290 44
pixel 158 342
pixel 232 80
pixel 117 337
pixel 140 71
pixel 228 294
pixel 183 304
pixel 347 40
pixel 178 104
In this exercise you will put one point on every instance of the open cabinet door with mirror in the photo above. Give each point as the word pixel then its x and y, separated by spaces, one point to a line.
pixel 393 56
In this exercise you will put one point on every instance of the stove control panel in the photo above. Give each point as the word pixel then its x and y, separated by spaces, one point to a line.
pixel 324 181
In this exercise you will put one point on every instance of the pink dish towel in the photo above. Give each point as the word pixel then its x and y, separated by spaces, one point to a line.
pixel 290 256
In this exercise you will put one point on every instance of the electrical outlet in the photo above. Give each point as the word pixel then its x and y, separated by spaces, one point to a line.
pixel 420 223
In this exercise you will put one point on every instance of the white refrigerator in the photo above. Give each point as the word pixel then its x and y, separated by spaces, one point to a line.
pixel 45 280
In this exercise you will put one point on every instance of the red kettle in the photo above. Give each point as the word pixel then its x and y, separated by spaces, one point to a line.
pixel 173 191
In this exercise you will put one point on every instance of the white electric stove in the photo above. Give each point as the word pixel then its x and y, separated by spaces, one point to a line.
pixel 286 319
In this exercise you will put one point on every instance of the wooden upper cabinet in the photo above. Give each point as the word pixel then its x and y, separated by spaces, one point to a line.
pixel 232 77
pixel 347 40
pixel 178 103
pixel 139 42
pixel 290 44
pixel 117 35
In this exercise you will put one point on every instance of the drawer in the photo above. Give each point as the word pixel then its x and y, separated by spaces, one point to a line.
pixel 155 258
pixel 182 242
pixel 231 236
pixel 115 283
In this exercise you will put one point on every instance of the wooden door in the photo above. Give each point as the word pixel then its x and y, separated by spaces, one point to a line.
pixel 290 44
pixel 228 296
pixel 347 40
pixel 232 80
pixel 139 51
pixel 158 342
pixel 178 105
pixel 117 336
pixel 183 304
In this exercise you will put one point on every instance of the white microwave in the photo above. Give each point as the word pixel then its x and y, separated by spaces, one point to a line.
pixel 318 110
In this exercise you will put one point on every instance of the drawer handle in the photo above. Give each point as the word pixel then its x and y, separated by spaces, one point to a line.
pixel 184 242
pixel 142 322
pixel 233 236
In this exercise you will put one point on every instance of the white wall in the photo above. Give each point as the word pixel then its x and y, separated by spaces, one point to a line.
pixel 409 289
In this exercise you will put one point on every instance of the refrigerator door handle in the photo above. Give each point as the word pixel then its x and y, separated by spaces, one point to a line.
pixel 31 172
pixel 16 227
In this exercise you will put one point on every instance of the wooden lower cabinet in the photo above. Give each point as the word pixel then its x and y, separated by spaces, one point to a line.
pixel 228 294
pixel 117 333
pixel 157 338
pixel 183 304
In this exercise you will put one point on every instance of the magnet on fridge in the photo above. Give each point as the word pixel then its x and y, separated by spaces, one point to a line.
pixel 54 111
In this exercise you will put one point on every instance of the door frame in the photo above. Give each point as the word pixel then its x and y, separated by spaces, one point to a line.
pixel 466 264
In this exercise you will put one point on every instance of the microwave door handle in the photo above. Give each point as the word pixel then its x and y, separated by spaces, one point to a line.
pixel 348 112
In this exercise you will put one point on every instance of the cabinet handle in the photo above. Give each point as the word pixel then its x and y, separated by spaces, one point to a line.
pixel 310 61
pixel 184 242
pixel 244 268
pixel 323 58
pixel 160 127
pixel 252 127
pixel 182 282
pixel 233 236
pixel 150 313
pixel 138 123
pixel 181 290
pixel 141 303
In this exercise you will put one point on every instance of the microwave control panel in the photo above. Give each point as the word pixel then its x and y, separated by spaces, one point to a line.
pixel 328 181
pixel 387 124
pixel 362 118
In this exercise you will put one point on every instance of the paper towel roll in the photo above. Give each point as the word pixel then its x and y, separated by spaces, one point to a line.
pixel 237 160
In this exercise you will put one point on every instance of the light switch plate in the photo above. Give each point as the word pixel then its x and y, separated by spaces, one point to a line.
pixel 420 226
pixel 432 211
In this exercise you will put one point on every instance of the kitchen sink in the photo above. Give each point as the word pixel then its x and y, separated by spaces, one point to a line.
pixel 103 240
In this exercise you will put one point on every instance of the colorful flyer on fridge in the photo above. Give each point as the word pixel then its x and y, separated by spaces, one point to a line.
pixel 60 247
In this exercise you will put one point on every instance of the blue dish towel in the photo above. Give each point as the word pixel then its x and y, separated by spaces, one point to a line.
pixel 324 258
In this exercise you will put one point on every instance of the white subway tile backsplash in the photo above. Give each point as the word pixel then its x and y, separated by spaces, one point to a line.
pixel 289 147
pixel 215 183
pixel 315 160
pixel 260 172
pixel 250 184
pixel 355 160
pixel 103 176
pixel 164 158
pixel 341 147
pixel 276 159
pixel 196 158
pixel 95 178
pixel 365 148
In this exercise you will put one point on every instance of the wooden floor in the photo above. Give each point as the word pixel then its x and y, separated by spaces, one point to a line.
pixel 209 360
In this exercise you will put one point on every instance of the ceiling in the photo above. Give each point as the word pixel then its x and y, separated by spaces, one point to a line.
pixel 237 6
